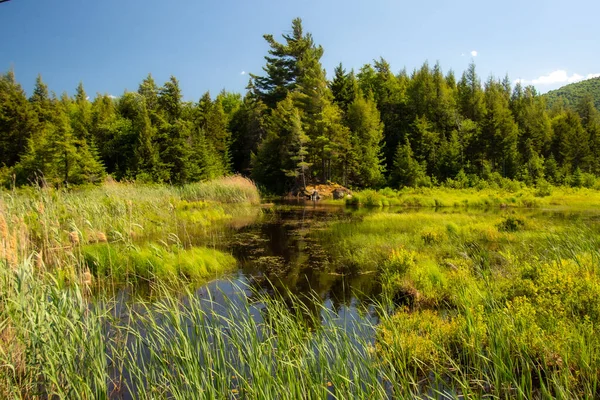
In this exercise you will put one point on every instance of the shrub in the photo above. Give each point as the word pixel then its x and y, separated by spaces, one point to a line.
pixel 511 224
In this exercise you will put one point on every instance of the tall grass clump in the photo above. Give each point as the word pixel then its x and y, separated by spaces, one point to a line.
pixel 154 261
pixel 233 189
pixel 52 341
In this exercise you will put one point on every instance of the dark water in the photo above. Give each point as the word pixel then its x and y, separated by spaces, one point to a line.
pixel 280 251
pixel 278 254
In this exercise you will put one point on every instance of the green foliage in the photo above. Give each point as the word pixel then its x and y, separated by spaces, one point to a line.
pixel 572 93
pixel 511 224
pixel 408 171
pixel 353 130
pixel 366 167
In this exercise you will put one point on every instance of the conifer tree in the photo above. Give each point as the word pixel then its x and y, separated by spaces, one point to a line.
pixel 283 69
pixel 406 171
pixel 272 162
pixel 366 129
pixel 344 87
pixel 470 95
pixel 17 120
pixel 248 128
pixel 173 133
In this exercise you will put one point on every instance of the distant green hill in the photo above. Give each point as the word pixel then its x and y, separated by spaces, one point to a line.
pixel 573 92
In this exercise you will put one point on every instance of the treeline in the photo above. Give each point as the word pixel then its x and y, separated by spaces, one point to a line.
pixel 150 135
pixel 363 129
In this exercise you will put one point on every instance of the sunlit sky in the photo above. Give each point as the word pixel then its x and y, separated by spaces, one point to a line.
pixel 111 45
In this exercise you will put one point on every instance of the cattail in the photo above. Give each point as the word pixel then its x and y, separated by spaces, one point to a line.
pixel 3 227
pixel 101 237
pixel 39 260
pixel 86 278
pixel 74 237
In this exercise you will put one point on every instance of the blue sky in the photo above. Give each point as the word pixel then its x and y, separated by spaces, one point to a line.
pixel 111 45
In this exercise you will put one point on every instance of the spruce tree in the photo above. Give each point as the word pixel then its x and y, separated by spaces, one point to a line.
pixel 366 168
pixel 17 120
pixel 406 170
pixel 248 129
pixel 344 87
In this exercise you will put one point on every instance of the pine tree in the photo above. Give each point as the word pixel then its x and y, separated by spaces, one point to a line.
pixel 212 120
pixel 499 131
pixel 272 162
pixel 58 157
pixel 40 101
pixel 248 128
pixel 172 134
pixel 571 142
pixel 470 95
pixel 17 121
pixel 590 120
pixel 406 171
pixel 149 91
pixel 366 168
pixel 426 142
pixel 283 69
pixel 297 150
pixel 344 87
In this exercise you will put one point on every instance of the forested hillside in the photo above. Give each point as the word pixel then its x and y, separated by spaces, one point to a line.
pixel 574 93
pixel 365 128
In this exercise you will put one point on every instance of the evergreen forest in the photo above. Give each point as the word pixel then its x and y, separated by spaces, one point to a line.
pixel 364 129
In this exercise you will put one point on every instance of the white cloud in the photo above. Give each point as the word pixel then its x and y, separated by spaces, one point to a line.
pixel 243 73
pixel 474 53
pixel 112 97
pixel 557 77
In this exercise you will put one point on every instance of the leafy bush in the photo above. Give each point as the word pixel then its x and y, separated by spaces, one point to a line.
pixel 511 224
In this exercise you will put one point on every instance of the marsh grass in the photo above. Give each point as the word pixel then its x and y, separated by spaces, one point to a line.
pixel 518 197
pixel 262 347
pixel 475 305
pixel 502 304
pixel 155 224
pixel 150 261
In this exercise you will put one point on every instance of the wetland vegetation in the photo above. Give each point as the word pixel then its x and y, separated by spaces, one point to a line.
pixel 465 264
pixel 323 300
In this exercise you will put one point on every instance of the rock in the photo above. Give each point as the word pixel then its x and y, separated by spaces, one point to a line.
pixel 339 194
